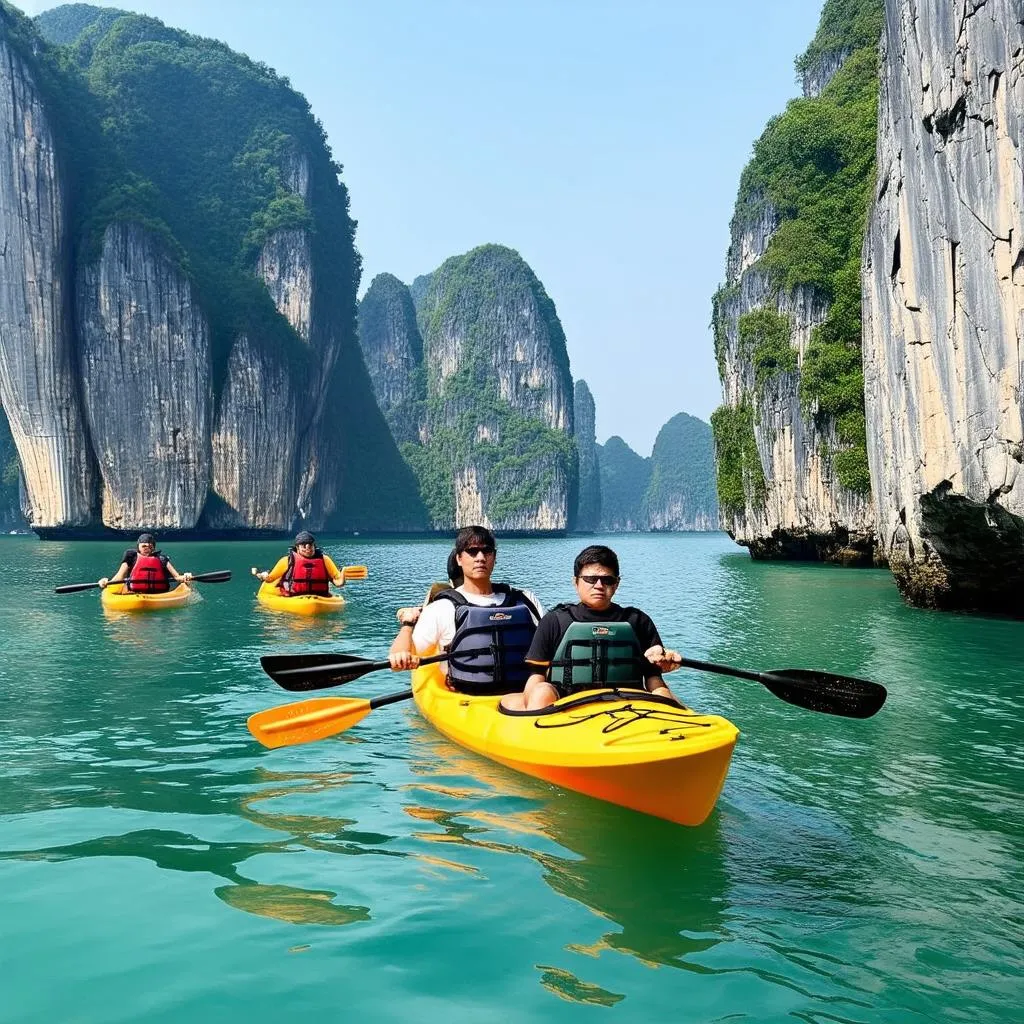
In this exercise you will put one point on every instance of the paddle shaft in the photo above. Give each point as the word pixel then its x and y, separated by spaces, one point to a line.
pixel 363 668
pixel 219 576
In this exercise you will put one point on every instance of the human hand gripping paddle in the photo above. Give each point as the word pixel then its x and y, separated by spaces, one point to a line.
pixel 220 576
pixel 321 717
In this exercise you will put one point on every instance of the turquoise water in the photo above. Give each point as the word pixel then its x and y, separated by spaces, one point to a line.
pixel 156 864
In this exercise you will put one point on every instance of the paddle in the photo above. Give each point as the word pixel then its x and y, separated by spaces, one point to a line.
pixel 826 692
pixel 300 673
pixel 349 572
pixel 315 719
pixel 219 576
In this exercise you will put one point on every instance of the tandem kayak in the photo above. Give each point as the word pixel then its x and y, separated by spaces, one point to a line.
pixel 627 747
pixel 272 596
pixel 115 598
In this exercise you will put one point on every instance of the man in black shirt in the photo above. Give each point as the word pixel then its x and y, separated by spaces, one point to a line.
pixel 596 574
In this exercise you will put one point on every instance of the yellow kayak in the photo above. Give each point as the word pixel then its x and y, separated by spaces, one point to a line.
pixel 117 599
pixel 629 748
pixel 271 596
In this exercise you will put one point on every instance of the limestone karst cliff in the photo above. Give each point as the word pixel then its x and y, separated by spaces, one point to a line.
pixel 588 508
pixel 624 479
pixel 393 352
pixel 177 297
pixel 496 433
pixel 11 517
pixel 790 434
pixel 680 494
pixel 944 304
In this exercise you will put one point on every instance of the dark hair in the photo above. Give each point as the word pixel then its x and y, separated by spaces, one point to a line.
pixel 146 538
pixel 304 537
pixel 596 554
pixel 454 570
pixel 469 536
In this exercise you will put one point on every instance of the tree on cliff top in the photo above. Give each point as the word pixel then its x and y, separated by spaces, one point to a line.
pixel 682 469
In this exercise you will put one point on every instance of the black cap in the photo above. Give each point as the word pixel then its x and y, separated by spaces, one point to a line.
pixel 305 537
pixel 146 538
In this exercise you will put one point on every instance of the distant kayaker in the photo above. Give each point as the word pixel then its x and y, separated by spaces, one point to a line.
pixel 611 645
pixel 472 622
pixel 144 570
pixel 304 570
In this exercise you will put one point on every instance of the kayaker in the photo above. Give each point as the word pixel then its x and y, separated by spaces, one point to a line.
pixel 466 622
pixel 615 646
pixel 144 570
pixel 304 570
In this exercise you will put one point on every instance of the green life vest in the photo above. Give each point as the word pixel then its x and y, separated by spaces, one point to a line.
pixel 608 654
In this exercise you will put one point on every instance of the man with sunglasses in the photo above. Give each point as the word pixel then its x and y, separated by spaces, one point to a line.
pixel 487 647
pixel 593 643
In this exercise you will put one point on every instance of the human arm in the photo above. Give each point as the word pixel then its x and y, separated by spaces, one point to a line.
pixel 122 571
pixel 181 577
pixel 337 576
pixel 276 573
pixel 402 654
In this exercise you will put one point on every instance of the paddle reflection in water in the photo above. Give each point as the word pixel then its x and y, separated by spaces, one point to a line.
pixel 662 885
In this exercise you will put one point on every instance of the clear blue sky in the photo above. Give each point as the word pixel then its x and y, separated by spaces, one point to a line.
pixel 602 139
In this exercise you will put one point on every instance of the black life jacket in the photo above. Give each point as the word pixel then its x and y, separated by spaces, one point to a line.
pixel 488 648
pixel 306 575
pixel 601 653
pixel 147 573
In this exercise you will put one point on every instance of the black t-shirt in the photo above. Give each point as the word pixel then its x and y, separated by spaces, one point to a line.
pixel 132 554
pixel 549 632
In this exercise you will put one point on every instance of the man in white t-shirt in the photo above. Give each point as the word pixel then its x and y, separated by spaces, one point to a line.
pixel 427 631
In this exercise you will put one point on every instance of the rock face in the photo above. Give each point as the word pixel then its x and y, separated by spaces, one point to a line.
pixel 792 476
pixel 144 363
pixel 393 353
pixel 681 491
pixel 498 431
pixel 37 378
pixel 624 479
pixel 11 517
pixel 944 304
pixel 588 515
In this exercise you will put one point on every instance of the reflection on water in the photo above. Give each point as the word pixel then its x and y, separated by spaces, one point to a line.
pixel 295 906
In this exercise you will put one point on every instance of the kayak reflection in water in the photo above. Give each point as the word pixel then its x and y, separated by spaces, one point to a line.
pixel 593 643
pixel 144 570
pixel 465 621
pixel 304 570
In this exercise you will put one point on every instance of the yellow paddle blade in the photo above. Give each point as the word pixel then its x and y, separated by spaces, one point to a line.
pixel 307 720
pixel 354 572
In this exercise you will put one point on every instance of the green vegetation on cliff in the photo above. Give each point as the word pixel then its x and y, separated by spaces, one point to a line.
pixel 10 476
pixel 737 464
pixel 765 334
pixel 815 165
pixel 625 476
pixel 462 308
pixel 682 474
pixel 199 143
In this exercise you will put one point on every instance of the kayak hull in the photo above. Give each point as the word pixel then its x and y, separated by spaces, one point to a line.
pixel 115 599
pixel 269 595
pixel 624 747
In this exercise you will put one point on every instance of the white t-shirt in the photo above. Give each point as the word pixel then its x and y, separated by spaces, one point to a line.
pixel 436 625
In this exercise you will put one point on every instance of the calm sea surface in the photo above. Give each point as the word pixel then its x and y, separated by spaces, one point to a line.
pixel 156 864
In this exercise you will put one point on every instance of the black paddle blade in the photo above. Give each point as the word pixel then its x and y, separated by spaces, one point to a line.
pixel 825 692
pixel 301 673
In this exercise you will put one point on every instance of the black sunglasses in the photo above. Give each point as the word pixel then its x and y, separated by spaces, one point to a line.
pixel 608 581
pixel 473 552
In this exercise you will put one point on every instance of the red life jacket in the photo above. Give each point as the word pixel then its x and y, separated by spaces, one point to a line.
pixel 149 575
pixel 306 575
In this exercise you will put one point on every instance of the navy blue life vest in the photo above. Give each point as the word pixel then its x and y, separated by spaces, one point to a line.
pixel 488 649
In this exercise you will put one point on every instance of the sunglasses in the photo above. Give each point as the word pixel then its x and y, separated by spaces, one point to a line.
pixel 608 581
pixel 474 551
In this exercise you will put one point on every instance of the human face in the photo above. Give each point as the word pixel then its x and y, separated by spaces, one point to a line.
pixel 596 595
pixel 306 549
pixel 146 548
pixel 477 562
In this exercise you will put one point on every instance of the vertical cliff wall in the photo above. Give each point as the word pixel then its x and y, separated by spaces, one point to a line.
pixel 11 516
pixel 393 352
pixel 681 492
pixel 145 369
pixel 624 479
pixel 588 515
pixel 790 435
pixel 37 380
pixel 944 303
pixel 498 435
